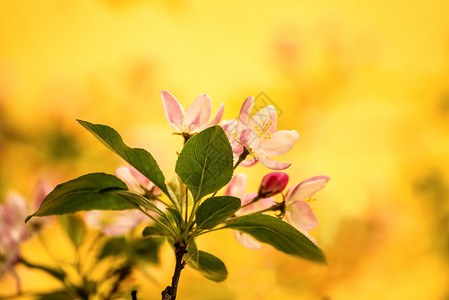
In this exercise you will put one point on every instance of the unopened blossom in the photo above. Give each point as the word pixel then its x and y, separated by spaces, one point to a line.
pixel 259 136
pixel 298 212
pixel 273 184
pixel 137 182
pixel 236 188
pixel 195 118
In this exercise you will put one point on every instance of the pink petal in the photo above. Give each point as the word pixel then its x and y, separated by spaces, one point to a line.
pixel 272 164
pixel 41 191
pixel 306 188
pixel 300 215
pixel 249 162
pixel 124 174
pixel 248 138
pixel 198 113
pixel 259 205
pixel 218 115
pixel 279 143
pixel 173 110
pixel 246 240
pixel 141 179
pixel 246 110
pixel 264 121
pixel 229 128
pixel 236 186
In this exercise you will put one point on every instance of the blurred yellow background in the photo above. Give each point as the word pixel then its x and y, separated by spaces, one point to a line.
pixel 364 83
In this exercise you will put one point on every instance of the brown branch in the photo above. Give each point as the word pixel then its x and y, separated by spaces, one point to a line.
pixel 170 291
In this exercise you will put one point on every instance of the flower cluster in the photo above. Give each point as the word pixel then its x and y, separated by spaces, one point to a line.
pixel 187 206
pixel 253 139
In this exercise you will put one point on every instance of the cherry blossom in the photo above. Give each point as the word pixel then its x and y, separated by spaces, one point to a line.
pixel 236 188
pixel 114 223
pixel 259 136
pixel 137 182
pixel 117 223
pixel 13 231
pixel 195 118
pixel 298 212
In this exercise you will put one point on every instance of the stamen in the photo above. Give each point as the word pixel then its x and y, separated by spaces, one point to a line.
pixel 263 130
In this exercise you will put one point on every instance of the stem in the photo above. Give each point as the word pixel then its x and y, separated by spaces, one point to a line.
pixel 257 198
pixel 242 157
pixel 170 291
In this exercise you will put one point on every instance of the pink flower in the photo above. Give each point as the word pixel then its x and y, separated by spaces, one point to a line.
pixel 117 223
pixel 272 184
pixel 195 118
pixel 236 188
pixel 137 182
pixel 13 231
pixel 258 134
pixel 114 223
pixel 298 212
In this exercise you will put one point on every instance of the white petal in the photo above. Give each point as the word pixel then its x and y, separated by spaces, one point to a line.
pixel 272 164
pixel 246 240
pixel 198 113
pixel 173 110
pixel 306 188
pixel 301 216
pixel 279 143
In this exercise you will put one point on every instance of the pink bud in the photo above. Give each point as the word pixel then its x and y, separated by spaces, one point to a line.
pixel 272 184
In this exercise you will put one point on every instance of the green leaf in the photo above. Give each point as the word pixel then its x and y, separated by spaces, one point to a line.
pixel 175 215
pixel 279 234
pixel 192 253
pixel 87 192
pixel 216 210
pixel 210 267
pixel 205 164
pixel 153 231
pixel 74 227
pixel 146 250
pixel 139 158
pixel 136 199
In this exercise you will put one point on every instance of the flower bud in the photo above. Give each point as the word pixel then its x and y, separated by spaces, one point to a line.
pixel 272 184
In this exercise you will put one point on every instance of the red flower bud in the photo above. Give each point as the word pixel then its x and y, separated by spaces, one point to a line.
pixel 272 184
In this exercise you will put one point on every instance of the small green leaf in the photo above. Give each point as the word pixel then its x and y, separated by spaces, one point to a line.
pixel 136 199
pixel 139 158
pixel 175 215
pixel 192 253
pixel 87 192
pixel 279 234
pixel 153 231
pixel 216 210
pixel 210 267
pixel 205 164
pixel 74 227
